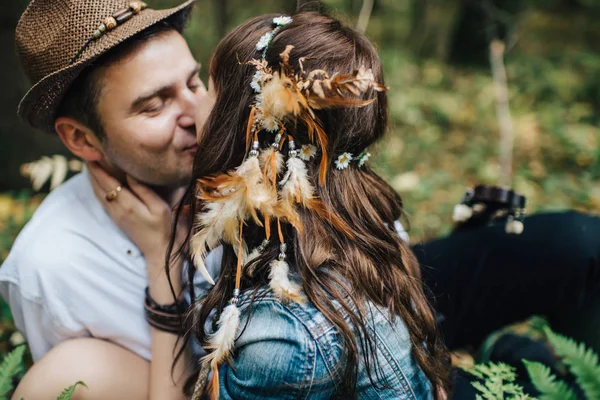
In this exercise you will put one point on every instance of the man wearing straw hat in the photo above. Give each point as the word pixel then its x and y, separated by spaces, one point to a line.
pixel 117 82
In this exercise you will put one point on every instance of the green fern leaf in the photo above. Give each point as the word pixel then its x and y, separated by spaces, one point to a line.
pixel 547 384
pixel 523 397
pixel 582 362
pixel 496 381
pixel 68 392
pixel 11 366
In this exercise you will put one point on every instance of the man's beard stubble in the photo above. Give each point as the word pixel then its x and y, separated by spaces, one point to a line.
pixel 154 172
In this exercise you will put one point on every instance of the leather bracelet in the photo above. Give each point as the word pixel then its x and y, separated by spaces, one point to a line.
pixel 167 318
pixel 168 308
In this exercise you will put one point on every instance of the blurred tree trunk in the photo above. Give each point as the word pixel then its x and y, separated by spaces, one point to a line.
pixel 479 22
pixel 418 25
pixel 18 142
pixel 571 4
pixel 222 17
pixel 431 23
pixel 365 15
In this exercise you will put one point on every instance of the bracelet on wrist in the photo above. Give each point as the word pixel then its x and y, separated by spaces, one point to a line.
pixel 168 318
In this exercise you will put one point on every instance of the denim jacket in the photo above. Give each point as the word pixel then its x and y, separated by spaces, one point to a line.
pixel 291 351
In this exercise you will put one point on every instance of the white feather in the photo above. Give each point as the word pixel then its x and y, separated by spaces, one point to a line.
pixel 297 184
pixel 257 196
pixel 280 282
pixel 198 245
pixel 223 340
pixel 212 221
pixel 253 256
pixel 265 155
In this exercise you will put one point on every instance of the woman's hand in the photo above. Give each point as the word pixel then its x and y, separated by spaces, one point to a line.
pixel 148 221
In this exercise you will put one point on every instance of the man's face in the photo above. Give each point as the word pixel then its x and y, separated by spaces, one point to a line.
pixel 147 107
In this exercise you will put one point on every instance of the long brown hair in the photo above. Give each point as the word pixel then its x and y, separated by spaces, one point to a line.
pixel 372 264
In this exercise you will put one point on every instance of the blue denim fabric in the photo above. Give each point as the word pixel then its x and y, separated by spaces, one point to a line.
pixel 291 351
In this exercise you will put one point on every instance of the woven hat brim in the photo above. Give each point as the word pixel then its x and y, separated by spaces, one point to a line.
pixel 39 105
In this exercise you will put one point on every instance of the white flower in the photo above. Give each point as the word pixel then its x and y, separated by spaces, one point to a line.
pixel 281 21
pixel 462 213
pixel 343 161
pixel 264 41
pixel 256 81
pixel 307 152
pixel 363 159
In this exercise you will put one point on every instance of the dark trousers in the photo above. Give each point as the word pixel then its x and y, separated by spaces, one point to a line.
pixel 482 279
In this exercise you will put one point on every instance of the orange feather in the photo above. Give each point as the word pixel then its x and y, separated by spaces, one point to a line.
pixel 213 385
pixel 251 120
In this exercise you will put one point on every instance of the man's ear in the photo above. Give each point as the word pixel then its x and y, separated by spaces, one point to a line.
pixel 79 139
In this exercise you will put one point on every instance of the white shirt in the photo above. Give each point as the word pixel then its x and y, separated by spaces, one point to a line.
pixel 73 273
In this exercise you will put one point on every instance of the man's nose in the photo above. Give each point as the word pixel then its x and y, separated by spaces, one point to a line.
pixel 189 107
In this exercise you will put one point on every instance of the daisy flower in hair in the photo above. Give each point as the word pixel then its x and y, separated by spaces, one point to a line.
pixel 256 79
pixel 307 152
pixel 264 41
pixel 281 21
pixel 343 161
pixel 363 158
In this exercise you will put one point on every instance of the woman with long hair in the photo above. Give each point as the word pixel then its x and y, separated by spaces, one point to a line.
pixel 317 296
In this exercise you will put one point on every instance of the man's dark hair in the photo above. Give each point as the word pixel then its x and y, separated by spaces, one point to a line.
pixel 81 100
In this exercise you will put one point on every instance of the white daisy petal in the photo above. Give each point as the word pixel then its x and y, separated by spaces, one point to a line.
pixel 307 152
pixel 281 21
pixel 343 161
pixel 256 80
pixel 264 41
pixel 363 159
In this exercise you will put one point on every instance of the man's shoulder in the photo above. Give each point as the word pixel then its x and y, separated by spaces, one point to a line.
pixel 61 231
pixel 64 200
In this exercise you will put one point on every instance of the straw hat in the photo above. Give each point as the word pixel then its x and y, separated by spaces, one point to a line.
pixel 55 41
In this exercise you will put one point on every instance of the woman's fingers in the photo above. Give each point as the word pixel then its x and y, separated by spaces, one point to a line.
pixel 110 191
pixel 153 201
pixel 102 178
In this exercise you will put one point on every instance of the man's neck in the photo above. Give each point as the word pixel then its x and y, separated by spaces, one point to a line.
pixel 170 194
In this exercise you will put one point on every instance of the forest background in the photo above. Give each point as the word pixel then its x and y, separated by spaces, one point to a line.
pixel 445 133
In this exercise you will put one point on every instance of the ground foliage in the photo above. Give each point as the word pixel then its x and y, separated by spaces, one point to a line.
pixel 444 133
pixel 496 381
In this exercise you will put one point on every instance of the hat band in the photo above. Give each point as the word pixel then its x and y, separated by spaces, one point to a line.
pixel 117 18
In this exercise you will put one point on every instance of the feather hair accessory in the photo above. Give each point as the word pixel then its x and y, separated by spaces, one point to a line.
pixel 271 161
pixel 250 266
pixel 279 279
pixel 284 95
pixel 222 343
pixel 228 200
pixel 295 186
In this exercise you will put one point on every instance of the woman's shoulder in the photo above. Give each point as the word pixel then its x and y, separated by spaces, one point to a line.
pixel 278 352
pixel 295 344
pixel 301 318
